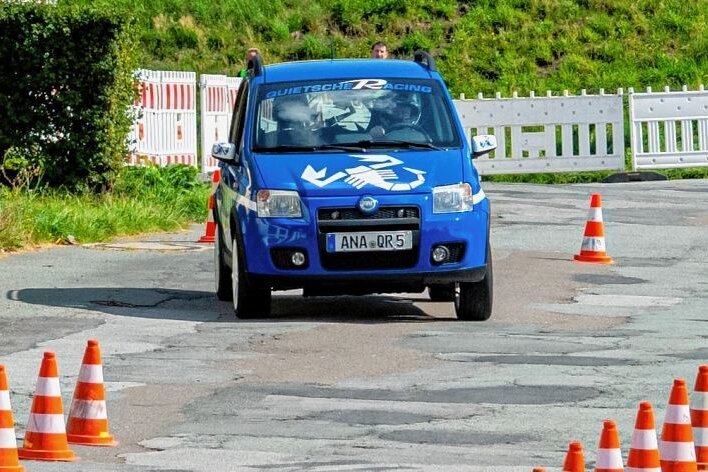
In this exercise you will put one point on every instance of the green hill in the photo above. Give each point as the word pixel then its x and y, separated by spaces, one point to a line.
pixel 481 46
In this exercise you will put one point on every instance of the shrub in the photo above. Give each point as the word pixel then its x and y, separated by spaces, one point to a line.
pixel 65 87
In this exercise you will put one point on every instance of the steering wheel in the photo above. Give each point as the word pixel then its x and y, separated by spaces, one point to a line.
pixel 413 127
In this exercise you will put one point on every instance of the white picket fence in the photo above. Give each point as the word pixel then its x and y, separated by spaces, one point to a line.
pixel 165 131
pixel 547 134
pixel 669 129
pixel 218 96
pixel 551 133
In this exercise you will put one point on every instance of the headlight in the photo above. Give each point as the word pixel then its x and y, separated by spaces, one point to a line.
pixel 452 198
pixel 278 204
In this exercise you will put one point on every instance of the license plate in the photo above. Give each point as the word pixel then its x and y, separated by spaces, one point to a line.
pixel 370 241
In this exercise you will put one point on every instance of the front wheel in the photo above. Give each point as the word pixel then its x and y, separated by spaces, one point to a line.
pixel 249 301
pixel 473 300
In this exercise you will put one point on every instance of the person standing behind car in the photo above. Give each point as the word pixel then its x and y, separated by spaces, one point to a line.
pixel 379 50
pixel 250 54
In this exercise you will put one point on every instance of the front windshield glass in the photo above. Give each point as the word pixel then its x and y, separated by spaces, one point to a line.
pixel 350 115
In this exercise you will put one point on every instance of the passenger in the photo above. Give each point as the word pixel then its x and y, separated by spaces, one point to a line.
pixel 293 117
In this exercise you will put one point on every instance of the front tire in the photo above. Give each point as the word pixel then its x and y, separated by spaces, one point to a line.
pixel 249 301
pixel 222 272
pixel 441 292
pixel 473 300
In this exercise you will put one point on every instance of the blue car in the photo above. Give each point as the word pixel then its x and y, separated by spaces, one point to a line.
pixel 350 177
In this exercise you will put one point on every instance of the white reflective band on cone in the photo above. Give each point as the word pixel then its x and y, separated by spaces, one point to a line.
pixel 677 414
pixel 700 436
pixel 5 401
pixel 643 469
pixel 595 214
pixel 677 451
pixel 41 423
pixel 593 244
pixel 644 439
pixel 7 438
pixel 92 373
pixel 89 409
pixel 699 401
pixel 48 387
pixel 609 459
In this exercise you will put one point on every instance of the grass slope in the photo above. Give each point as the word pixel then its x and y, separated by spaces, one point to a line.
pixel 481 46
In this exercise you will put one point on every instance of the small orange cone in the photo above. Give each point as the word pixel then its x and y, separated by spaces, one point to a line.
pixel 45 434
pixel 592 248
pixel 539 469
pixel 644 452
pixel 676 450
pixel 88 420
pixel 575 458
pixel 609 455
pixel 699 417
pixel 9 460
pixel 210 230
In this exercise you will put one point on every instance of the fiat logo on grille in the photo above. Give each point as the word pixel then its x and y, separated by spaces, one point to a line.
pixel 368 205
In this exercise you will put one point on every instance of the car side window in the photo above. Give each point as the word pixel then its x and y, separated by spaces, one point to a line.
pixel 239 116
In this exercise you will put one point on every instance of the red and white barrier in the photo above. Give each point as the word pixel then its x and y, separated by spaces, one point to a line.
pixel 218 97
pixel 165 131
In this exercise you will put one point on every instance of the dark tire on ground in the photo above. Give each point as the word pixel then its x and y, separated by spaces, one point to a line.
pixel 442 292
pixel 473 300
pixel 249 301
pixel 222 272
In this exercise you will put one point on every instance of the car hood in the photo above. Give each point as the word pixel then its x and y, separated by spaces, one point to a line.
pixel 340 174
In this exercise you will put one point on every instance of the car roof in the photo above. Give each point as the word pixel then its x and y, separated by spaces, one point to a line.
pixel 344 69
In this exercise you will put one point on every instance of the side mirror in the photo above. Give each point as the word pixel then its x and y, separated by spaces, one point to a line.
pixel 483 144
pixel 225 152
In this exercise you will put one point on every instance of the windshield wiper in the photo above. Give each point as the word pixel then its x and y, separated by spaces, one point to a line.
pixel 320 147
pixel 395 142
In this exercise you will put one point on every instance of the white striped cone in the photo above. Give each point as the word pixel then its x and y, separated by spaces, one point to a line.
pixel 676 449
pixel 210 228
pixel 644 451
pixel 699 416
pixel 9 460
pixel 593 248
pixel 609 456
pixel 45 434
pixel 88 419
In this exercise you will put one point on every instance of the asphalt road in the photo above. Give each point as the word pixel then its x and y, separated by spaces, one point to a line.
pixel 381 382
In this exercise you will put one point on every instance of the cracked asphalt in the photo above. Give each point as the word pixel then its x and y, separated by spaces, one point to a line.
pixel 381 382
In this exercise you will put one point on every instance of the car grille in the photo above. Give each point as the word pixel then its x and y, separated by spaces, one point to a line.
pixel 346 220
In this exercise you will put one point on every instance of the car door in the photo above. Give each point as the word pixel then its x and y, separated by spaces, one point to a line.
pixel 234 175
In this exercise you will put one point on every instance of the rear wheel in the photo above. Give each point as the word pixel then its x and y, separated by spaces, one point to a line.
pixel 442 292
pixel 473 300
pixel 221 270
pixel 249 301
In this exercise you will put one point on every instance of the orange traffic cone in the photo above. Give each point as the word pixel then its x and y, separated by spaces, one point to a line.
pixel 575 458
pixel 9 460
pixel 539 469
pixel 45 435
pixel 676 449
pixel 88 420
pixel 210 230
pixel 699 417
pixel 609 455
pixel 644 452
pixel 592 248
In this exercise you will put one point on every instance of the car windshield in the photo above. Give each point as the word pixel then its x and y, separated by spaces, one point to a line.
pixel 353 115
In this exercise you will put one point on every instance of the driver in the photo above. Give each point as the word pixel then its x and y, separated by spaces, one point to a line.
pixel 403 114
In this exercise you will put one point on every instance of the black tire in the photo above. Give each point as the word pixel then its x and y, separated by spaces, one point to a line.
pixel 473 300
pixel 249 301
pixel 442 292
pixel 222 272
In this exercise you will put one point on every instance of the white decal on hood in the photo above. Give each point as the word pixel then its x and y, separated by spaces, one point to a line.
pixel 377 174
